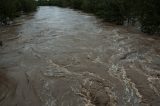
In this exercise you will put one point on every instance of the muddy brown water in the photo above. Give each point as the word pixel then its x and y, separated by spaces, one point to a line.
pixel 62 57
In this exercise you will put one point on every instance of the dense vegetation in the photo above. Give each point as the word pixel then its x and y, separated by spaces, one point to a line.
pixel 146 12
pixel 10 9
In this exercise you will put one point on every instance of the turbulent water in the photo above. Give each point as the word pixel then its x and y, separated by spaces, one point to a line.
pixel 62 57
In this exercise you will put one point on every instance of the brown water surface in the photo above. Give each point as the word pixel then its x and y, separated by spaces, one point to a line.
pixel 63 57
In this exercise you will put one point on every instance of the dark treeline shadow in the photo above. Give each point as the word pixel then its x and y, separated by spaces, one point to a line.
pixel 9 9
pixel 145 12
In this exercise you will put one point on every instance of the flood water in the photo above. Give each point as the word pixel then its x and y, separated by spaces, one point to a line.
pixel 62 57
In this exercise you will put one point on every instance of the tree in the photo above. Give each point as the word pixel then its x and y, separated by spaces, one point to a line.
pixel 149 16
pixel 9 9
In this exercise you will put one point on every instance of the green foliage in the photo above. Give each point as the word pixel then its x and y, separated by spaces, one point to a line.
pixel 43 2
pixel 150 16
pixel 113 11
pixel 5 11
pixel 9 9
pixel 27 5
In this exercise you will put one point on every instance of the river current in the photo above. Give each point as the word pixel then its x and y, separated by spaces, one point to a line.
pixel 63 57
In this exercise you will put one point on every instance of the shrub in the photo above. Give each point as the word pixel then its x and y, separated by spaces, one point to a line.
pixel 9 9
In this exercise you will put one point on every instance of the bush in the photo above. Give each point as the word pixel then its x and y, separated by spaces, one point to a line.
pixel 150 16
pixel 9 9
pixel 27 5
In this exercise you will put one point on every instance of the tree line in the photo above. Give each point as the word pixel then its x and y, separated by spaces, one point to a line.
pixel 9 9
pixel 146 12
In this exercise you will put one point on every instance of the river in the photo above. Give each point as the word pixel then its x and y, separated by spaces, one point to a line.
pixel 63 57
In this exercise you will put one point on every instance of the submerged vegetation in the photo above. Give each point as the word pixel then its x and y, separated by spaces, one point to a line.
pixel 10 9
pixel 146 12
